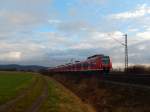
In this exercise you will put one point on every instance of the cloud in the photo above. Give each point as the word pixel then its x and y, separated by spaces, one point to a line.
pixel 16 18
pixel 144 35
pixel 54 21
pixel 70 26
pixel 9 56
pixel 23 15
pixel 34 32
pixel 133 29
pixel 55 49
pixel 140 51
pixel 140 11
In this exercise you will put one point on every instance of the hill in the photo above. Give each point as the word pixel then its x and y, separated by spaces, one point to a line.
pixel 15 67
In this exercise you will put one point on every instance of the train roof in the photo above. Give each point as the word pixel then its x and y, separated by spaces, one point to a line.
pixel 97 55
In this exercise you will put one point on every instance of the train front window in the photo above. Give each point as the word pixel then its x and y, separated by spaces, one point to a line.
pixel 105 60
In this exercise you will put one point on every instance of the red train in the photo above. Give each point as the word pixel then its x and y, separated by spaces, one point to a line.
pixel 99 62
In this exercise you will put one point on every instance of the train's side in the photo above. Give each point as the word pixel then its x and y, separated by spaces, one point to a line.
pixel 93 63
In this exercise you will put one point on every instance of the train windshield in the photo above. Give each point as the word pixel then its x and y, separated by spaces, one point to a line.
pixel 106 60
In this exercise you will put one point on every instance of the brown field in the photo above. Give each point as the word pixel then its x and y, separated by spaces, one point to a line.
pixel 108 97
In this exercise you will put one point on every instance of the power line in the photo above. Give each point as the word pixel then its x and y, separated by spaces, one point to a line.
pixel 117 40
pixel 126 49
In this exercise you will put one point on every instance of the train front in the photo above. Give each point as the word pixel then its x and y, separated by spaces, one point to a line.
pixel 106 64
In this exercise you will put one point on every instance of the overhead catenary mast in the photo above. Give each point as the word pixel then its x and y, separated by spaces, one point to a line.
pixel 125 44
pixel 126 53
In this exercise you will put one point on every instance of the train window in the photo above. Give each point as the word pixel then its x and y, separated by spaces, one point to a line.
pixel 106 60
pixel 93 64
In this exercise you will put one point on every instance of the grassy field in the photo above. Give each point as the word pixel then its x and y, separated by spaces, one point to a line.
pixel 62 100
pixel 12 83
pixel 32 92
pixel 31 95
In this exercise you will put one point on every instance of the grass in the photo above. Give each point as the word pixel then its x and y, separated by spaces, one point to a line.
pixel 31 87
pixel 12 83
pixel 31 96
pixel 62 100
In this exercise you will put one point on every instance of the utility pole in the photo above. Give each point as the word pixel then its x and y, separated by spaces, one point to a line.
pixel 125 44
pixel 126 53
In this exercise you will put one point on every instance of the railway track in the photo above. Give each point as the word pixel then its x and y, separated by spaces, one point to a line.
pixel 141 79
pixel 116 78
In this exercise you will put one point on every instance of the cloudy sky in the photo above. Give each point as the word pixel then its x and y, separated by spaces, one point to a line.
pixel 51 32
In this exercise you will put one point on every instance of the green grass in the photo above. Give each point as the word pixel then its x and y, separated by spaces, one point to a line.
pixel 62 100
pixel 12 83
pixel 31 95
